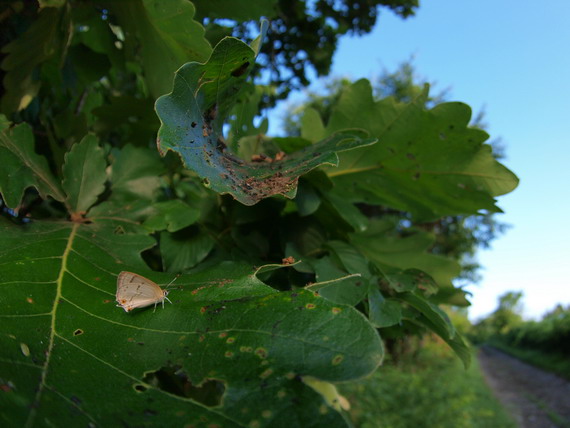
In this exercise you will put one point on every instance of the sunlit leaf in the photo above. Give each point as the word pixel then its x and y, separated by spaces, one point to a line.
pixel 192 119
pixel 428 162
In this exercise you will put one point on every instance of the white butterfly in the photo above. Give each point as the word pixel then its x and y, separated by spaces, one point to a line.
pixel 135 291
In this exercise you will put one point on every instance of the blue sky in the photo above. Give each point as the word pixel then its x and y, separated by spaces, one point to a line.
pixel 511 58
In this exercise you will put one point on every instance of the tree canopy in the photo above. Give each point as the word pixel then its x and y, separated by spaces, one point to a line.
pixel 129 142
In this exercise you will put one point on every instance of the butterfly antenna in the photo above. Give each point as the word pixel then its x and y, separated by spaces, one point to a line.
pixel 170 283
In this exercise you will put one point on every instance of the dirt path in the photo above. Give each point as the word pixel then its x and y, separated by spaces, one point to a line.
pixel 526 391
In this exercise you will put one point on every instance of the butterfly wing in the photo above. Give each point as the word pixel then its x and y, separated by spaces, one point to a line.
pixel 136 291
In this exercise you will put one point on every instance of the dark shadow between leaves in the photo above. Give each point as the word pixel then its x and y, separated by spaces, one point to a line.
pixel 175 381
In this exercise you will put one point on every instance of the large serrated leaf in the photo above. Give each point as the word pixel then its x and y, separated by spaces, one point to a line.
pixel 192 118
pixel 70 357
pixel 21 167
pixel 427 162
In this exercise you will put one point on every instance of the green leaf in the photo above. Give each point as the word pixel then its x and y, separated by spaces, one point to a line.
pixel 312 127
pixel 84 174
pixel 242 116
pixel 192 118
pixel 412 280
pixel 238 10
pixel 421 152
pixel 461 349
pixel 382 312
pixel 45 38
pixel 307 199
pixel 437 318
pixel 168 37
pixel 337 287
pixel 131 115
pixel 258 41
pixel 172 216
pixel 70 357
pixel 350 258
pixel 120 211
pixel 184 250
pixel 135 173
pixel 21 167
pixel 95 33
pixel 51 3
pixel 347 211
pixel 4 123
pixel 393 253
pixel 437 321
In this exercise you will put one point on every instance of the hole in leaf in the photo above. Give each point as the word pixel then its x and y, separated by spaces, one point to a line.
pixel 175 381
pixel 78 332
pixel 240 70
pixel 140 388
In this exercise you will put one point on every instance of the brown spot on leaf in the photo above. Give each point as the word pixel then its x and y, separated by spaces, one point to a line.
pixel 265 187
pixel 160 151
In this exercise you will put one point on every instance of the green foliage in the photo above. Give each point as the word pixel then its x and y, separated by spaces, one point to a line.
pixel 552 361
pixel 167 37
pixel 192 118
pixel 505 318
pixel 17 149
pixel 456 236
pixel 44 40
pixel 423 152
pixel 544 343
pixel 86 195
pixel 305 34
pixel 58 310
pixel 432 390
